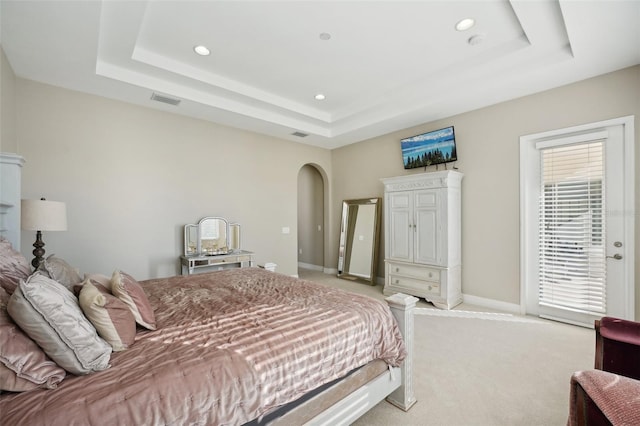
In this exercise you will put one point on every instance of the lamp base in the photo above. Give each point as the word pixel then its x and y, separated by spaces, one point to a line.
pixel 38 252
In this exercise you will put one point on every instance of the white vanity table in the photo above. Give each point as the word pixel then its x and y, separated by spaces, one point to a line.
pixel 236 259
pixel 211 245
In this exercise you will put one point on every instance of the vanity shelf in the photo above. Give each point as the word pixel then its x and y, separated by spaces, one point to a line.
pixel 236 259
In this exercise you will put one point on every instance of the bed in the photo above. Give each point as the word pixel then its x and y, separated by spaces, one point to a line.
pixel 238 346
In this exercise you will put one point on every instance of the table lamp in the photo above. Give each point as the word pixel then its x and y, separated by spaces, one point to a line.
pixel 42 215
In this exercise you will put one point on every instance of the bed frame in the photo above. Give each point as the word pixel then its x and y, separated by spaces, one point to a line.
pixel 395 384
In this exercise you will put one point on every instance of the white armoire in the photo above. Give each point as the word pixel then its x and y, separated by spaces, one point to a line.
pixel 422 229
pixel 10 182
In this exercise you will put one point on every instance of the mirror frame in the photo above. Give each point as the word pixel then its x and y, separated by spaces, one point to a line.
pixel 344 253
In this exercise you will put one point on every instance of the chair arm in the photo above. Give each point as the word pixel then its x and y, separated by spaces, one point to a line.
pixel 620 330
pixel 602 398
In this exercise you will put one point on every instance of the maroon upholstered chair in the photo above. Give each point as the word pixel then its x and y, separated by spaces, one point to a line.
pixel 618 346
pixel 600 398
pixel 610 394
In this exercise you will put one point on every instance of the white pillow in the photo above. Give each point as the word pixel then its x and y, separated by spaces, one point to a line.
pixel 59 270
pixel 49 313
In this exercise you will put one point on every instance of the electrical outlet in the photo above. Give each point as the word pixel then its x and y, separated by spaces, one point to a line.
pixel 299 251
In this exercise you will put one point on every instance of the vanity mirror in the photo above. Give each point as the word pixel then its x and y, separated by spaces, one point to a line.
pixel 190 240
pixel 359 234
pixel 234 236
pixel 213 236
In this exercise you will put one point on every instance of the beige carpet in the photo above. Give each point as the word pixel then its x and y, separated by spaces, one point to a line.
pixel 476 367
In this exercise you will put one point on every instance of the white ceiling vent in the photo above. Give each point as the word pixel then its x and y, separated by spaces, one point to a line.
pixel 300 134
pixel 164 99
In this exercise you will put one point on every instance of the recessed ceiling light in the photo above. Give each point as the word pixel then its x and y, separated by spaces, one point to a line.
pixel 202 50
pixel 465 24
pixel 320 97
pixel 325 36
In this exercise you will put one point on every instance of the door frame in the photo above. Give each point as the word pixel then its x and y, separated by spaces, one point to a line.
pixel 529 188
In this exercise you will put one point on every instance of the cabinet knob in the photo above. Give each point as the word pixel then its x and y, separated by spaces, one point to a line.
pixel 397 281
pixel 430 288
pixel 397 269
pixel 430 274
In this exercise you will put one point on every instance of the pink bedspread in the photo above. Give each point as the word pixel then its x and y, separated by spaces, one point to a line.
pixel 230 345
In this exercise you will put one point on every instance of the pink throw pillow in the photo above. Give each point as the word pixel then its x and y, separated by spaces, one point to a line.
pixel 111 317
pixel 13 266
pixel 127 289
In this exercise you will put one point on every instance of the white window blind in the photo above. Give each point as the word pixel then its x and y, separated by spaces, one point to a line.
pixel 572 269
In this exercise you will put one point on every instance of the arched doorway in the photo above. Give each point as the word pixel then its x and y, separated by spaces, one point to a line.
pixel 311 218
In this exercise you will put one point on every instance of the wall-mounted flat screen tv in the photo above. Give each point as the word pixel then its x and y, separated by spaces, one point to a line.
pixel 428 149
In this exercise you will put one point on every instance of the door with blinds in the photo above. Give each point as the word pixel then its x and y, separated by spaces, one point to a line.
pixel 581 234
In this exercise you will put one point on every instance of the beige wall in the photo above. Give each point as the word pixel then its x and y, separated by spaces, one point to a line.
pixel 8 142
pixel 488 149
pixel 132 177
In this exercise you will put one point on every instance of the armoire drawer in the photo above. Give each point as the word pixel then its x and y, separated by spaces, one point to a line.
pixel 430 287
pixel 413 271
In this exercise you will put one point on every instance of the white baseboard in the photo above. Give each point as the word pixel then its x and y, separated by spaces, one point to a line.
pixel 497 305
pixel 492 304
pixel 323 269
pixel 310 266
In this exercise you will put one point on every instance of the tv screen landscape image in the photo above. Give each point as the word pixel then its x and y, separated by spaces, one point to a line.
pixel 428 149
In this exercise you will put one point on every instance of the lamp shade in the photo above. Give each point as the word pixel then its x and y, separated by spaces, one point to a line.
pixel 43 215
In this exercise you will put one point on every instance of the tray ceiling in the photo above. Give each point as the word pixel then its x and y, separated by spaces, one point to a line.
pixel 382 66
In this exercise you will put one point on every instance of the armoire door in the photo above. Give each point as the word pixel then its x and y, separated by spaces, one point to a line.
pixel 427 238
pixel 400 231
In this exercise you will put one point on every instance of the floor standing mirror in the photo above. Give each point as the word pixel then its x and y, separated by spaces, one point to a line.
pixel 359 234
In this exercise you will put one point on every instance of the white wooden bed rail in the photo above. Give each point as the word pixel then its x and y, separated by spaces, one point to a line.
pixel 396 385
